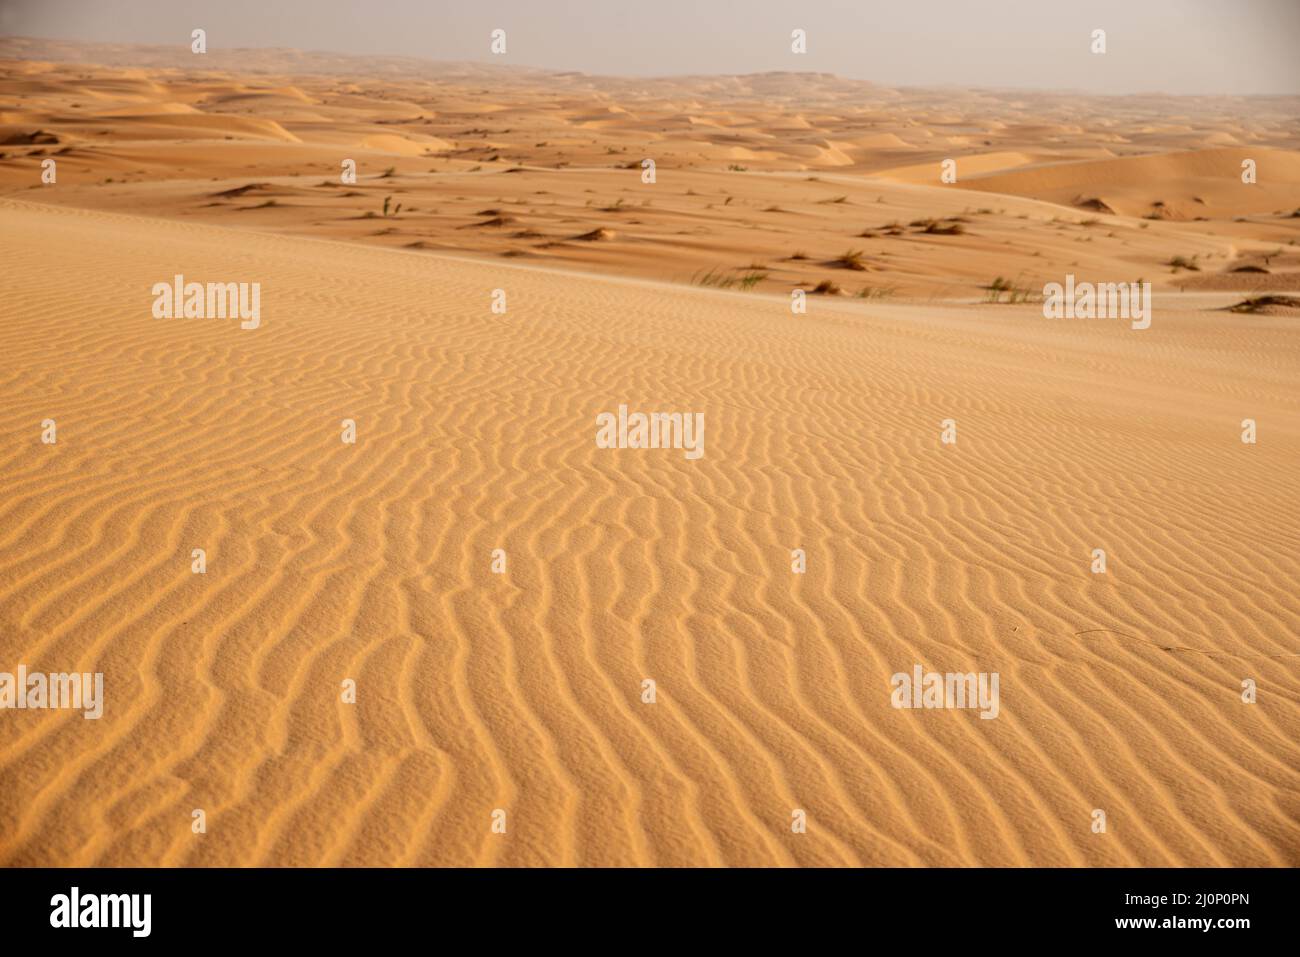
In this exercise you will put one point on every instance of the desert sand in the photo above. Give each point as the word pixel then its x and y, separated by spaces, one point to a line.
pixel 522 691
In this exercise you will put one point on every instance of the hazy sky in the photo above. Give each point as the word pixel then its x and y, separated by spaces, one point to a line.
pixel 1176 46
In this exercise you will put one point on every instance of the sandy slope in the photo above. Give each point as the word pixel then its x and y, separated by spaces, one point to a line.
pixel 522 691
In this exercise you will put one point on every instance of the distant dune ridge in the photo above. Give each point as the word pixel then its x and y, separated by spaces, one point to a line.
pixel 749 170
pixel 433 620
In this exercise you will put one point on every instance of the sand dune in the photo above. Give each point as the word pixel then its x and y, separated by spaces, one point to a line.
pixel 1137 185
pixel 981 164
pixel 766 180
pixel 522 691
